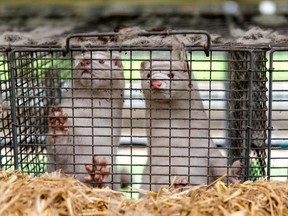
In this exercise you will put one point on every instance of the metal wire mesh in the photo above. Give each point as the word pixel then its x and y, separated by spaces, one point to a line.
pixel 247 108
pixel 6 118
pixel 225 105
pixel 277 115
pixel 27 98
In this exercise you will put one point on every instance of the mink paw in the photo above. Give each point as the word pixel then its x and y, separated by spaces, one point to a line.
pixel 235 172
pixel 57 122
pixel 98 172
pixel 180 182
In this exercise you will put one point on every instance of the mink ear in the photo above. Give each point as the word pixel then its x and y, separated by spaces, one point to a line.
pixel 117 62
pixel 144 65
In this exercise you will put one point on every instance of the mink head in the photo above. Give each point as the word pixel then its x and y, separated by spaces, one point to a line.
pixel 164 80
pixel 97 70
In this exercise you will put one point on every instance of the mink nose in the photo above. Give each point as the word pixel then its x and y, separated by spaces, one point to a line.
pixel 85 63
pixel 155 84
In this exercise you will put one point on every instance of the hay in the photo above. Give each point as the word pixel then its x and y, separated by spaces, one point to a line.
pixel 55 194
pixel 260 198
pixel 52 194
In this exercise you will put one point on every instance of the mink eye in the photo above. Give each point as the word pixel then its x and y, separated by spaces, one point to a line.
pixel 170 75
pixel 148 75
pixel 101 61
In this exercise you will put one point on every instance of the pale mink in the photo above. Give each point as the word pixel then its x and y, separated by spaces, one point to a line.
pixel 88 120
pixel 177 129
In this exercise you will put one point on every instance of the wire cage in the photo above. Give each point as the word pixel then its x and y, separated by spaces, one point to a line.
pixel 146 116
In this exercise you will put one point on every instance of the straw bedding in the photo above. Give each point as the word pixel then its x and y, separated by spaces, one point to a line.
pixel 55 194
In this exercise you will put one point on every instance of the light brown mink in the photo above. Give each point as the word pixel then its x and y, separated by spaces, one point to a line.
pixel 85 128
pixel 178 129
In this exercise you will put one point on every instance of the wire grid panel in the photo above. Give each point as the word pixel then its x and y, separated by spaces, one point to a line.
pixel 247 107
pixel 6 120
pixel 277 115
pixel 28 98
pixel 89 102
